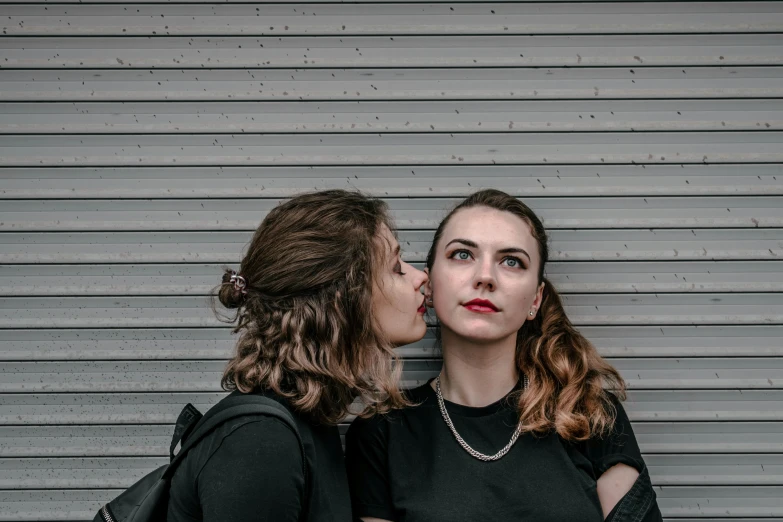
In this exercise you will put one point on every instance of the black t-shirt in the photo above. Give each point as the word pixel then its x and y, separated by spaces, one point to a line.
pixel 250 469
pixel 407 467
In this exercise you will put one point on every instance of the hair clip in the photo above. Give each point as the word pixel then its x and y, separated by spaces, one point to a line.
pixel 239 282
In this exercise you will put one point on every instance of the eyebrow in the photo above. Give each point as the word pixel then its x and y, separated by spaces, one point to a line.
pixel 396 252
pixel 515 251
pixel 466 242
pixel 473 244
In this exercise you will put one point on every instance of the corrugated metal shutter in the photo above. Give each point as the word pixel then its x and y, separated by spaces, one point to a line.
pixel 141 143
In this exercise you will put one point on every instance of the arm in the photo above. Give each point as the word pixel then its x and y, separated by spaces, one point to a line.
pixel 255 474
pixel 618 465
pixel 614 484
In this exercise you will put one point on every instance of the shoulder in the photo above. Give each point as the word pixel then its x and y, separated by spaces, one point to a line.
pixel 621 425
pixel 421 394
pixel 244 445
pixel 376 429
pixel 271 430
pixel 251 439
pixel 617 444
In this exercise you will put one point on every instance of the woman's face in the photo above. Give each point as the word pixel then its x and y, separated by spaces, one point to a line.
pixel 484 279
pixel 397 301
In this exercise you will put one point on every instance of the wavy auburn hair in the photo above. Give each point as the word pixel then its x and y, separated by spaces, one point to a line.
pixel 305 319
pixel 567 377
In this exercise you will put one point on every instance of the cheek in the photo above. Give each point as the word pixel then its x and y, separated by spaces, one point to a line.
pixel 380 299
pixel 523 293
pixel 444 284
pixel 395 299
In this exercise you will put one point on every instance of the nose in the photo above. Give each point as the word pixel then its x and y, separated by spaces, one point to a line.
pixel 417 276
pixel 485 275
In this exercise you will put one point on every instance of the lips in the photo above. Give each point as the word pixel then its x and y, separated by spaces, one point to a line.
pixel 482 306
pixel 422 309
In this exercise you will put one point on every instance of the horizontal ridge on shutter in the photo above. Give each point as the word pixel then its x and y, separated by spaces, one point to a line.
pixel 391 84
pixel 223 19
pixel 636 50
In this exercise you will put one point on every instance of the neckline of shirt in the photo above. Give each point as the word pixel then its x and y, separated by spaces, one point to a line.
pixel 472 411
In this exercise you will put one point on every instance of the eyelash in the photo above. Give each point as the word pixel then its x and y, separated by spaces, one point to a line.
pixel 458 251
pixel 453 255
pixel 398 268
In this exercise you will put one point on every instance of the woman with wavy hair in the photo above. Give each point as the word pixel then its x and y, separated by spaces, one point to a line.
pixel 322 297
pixel 524 421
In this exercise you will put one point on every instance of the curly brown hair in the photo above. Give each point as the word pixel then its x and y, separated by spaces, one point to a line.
pixel 568 379
pixel 305 319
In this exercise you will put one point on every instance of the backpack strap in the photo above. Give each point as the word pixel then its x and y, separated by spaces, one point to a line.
pixel 186 421
pixel 235 406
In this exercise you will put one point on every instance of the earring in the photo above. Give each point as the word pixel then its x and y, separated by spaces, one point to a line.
pixel 531 313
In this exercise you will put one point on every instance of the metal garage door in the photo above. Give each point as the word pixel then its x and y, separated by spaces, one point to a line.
pixel 141 143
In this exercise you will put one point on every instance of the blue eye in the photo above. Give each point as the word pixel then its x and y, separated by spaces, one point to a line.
pixel 513 262
pixel 462 255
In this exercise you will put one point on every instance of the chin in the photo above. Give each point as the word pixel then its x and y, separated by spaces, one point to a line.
pixel 479 340
pixel 414 334
pixel 480 334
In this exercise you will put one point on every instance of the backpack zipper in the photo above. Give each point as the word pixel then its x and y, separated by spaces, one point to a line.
pixel 106 515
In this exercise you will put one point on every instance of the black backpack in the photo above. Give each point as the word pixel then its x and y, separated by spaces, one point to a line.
pixel 147 500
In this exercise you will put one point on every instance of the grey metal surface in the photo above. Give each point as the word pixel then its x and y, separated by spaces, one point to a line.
pixel 140 145
pixel 436 181
pixel 272 1
pixel 393 19
pixel 724 502
pixel 701 405
pixel 373 117
pixel 391 84
pixel 103 408
pixel 693 437
pixel 391 149
pixel 403 51
pixel 275 1
pixel 409 214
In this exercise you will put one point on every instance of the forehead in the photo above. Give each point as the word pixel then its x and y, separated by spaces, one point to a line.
pixel 490 228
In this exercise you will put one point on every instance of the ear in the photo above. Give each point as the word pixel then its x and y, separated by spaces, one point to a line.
pixel 539 295
pixel 536 304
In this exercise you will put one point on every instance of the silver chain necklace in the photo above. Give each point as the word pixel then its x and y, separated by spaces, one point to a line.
pixel 465 445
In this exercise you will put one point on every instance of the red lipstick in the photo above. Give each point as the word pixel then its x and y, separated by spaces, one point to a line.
pixel 422 309
pixel 481 306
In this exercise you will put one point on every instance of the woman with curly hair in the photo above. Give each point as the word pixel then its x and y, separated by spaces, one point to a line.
pixel 524 421
pixel 322 297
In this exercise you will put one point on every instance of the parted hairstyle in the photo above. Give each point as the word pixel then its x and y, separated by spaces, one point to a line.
pixel 567 377
pixel 305 322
